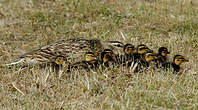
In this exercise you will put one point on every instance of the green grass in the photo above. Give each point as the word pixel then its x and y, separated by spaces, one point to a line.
pixel 28 24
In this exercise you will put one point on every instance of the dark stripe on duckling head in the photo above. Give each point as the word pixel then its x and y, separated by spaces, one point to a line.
pixel 89 56
pixel 129 48
pixel 179 59
pixel 107 55
pixel 142 49
pixel 150 56
pixel 163 51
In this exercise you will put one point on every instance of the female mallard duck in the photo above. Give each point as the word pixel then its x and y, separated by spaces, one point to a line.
pixel 143 64
pixel 72 49
pixel 90 62
pixel 175 65
pixel 161 56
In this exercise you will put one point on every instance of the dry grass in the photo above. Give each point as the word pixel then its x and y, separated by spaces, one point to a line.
pixel 27 24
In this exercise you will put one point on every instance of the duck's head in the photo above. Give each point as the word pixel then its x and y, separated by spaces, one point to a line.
pixel 108 55
pixel 60 60
pixel 142 49
pixel 179 59
pixel 163 51
pixel 149 56
pixel 129 49
pixel 89 57
pixel 116 46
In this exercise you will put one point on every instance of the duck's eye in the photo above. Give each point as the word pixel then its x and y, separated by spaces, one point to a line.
pixel 118 45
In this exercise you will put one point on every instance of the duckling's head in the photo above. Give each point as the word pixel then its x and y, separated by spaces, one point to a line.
pixel 108 55
pixel 129 48
pixel 89 57
pixel 142 49
pixel 163 51
pixel 60 60
pixel 149 56
pixel 179 59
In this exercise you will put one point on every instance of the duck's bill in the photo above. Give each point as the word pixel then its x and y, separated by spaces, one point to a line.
pixel 149 50
pixel 186 60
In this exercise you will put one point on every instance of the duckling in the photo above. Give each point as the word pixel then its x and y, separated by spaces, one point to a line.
pixel 161 56
pixel 175 65
pixel 126 59
pixel 108 58
pixel 59 64
pixel 115 46
pixel 143 64
pixel 89 63
pixel 141 50
pixel 72 49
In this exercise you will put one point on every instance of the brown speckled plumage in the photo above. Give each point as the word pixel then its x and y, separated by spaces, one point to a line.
pixel 72 49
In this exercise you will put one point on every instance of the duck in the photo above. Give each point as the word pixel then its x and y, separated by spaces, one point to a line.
pixel 144 63
pixel 128 51
pixel 90 62
pixel 72 49
pixel 141 50
pixel 161 56
pixel 59 64
pixel 175 64
pixel 108 58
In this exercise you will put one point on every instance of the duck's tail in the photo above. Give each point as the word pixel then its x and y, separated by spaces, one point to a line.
pixel 14 63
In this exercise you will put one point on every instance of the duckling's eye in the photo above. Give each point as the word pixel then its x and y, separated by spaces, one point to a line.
pixel 143 48
pixel 140 48
pixel 179 60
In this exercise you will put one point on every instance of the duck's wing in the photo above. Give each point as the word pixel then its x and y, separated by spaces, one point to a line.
pixel 69 48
